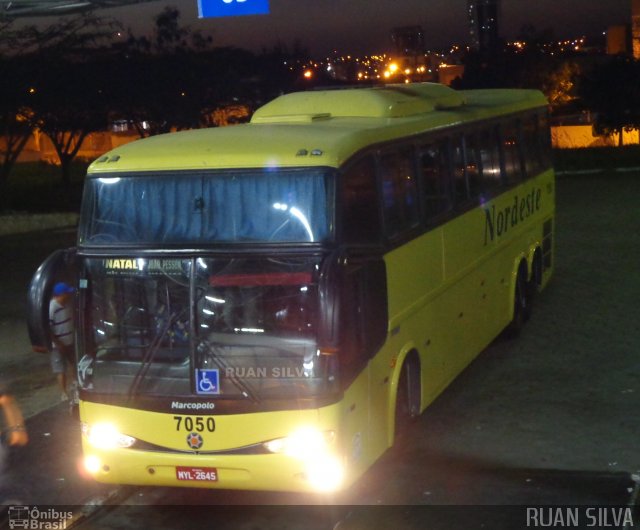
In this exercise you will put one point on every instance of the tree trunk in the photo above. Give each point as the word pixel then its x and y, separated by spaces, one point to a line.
pixel 620 138
pixel 4 176
pixel 65 169
pixel 6 165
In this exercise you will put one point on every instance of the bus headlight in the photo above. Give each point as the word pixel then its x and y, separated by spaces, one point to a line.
pixel 106 436
pixel 302 444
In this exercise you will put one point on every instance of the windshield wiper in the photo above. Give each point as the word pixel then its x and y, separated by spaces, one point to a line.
pixel 151 353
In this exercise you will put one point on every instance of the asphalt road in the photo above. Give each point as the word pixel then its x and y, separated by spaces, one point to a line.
pixel 547 419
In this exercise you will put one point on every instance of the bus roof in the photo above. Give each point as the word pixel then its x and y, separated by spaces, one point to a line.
pixel 319 128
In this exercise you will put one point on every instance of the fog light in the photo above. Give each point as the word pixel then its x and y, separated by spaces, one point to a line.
pixel 325 473
pixel 92 464
pixel 316 450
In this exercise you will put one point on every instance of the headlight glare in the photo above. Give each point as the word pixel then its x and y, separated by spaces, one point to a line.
pixel 106 436
pixel 303 444
pixel 325 473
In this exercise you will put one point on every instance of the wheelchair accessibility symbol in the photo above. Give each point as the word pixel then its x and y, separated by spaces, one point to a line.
pixel 207 381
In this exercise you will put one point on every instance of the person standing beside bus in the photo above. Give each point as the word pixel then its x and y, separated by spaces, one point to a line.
pixel 14 434
pixel 61 323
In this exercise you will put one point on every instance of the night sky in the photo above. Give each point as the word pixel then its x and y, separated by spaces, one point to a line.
pixel 362 26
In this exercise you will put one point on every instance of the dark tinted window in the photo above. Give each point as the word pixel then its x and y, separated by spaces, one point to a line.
pixel 472 164
pixel 460 189
pixel 363 315
pixel 532 146
pixel 400 194
pixel 511 152
pixel 435 172
pixel 490 161
pixel 360 215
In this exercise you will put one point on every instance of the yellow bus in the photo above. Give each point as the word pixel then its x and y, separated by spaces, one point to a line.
pixel 265 306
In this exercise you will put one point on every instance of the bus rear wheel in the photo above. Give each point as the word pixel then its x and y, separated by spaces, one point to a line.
pixel 408 398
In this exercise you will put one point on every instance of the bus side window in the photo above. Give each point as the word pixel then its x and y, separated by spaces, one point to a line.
pixel 472 164
pixel 460 187
pixel 400 193
pixel 360 213
pixel 532 148
pixel 434 170
pixel 490 158
pixel 511 152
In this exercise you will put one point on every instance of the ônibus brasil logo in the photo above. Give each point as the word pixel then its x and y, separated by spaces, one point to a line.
pixel 32 517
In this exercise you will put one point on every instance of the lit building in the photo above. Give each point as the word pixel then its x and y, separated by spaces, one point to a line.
pixel 483 24
pixel 635 28
pixel 410 62
pixel 617 37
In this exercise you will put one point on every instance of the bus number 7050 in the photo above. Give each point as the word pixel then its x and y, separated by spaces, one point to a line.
pixel 199 423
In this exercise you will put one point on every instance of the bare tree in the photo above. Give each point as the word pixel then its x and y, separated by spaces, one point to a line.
pixel 16 117
pixel 40 87
pixel 69 105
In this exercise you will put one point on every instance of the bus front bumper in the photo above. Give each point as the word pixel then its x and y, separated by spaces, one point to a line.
pixel 273 472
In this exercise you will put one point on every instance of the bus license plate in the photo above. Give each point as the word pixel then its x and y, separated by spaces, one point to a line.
pixel 197 474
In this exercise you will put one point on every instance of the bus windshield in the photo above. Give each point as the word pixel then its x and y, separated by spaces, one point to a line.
pixel 248 322
pixel 214 207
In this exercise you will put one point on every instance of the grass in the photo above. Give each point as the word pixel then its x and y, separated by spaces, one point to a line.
pixel 38 187
pixel 596 158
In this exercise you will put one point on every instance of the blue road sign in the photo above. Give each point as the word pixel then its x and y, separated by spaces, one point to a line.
pixel 232 8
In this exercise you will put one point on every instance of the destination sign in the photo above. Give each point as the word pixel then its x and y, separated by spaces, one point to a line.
pixel 232 8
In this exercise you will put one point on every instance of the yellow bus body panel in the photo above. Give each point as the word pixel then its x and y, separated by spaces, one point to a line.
pixel 451 292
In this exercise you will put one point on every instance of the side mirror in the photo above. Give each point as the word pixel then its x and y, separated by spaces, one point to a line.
pixel 59 266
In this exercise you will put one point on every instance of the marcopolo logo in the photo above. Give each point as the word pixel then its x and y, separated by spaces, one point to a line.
pixel 190 405
pixel 498 221
pixel 32 517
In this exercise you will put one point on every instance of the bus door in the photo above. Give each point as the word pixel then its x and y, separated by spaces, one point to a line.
pixel 60 266
pixel 362 332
